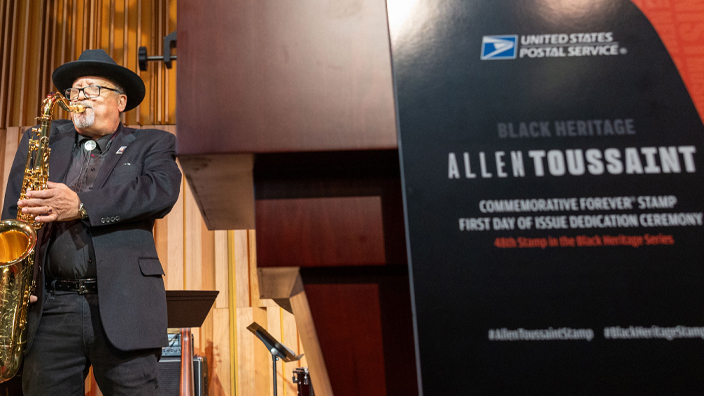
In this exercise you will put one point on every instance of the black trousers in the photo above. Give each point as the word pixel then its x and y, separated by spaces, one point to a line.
pixel 70 339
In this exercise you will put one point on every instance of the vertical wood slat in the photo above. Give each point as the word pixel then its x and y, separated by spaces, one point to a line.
pixel 23 60
pixel 160 68
pixel 138 44
pixel 246 384
pixel 111 29
pixel 166 71
pixel 221 269
pixel 5 56
pixel 34 68
pixel 207 275
pixel 221 367
pixel 126 45
pixel 290 339
pixel 74 30
pixel 31 62
pixel 241 254
pixel 86 29
pixel 44 70
pixel 176 222
pixel 170 99
pixel 273 318
pixel 62 53
pixel 194 243
pixel 206 346
pixel 262 356
pixel 91 24
pixel 232 303
pixel 198 273
pixel 254 281
pixel 52 51
pixel 125 33
pixel 152 86
pixel 98 25
pixel 11 71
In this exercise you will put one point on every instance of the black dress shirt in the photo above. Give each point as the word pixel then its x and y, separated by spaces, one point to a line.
pixel 71 254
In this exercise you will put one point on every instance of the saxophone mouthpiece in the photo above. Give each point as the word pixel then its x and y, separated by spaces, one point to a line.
pixel 78 108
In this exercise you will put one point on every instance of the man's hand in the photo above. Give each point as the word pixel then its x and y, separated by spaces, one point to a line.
pixel 57 203
pixel 32 299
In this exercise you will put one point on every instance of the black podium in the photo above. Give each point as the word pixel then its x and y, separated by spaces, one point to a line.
pixel 187 309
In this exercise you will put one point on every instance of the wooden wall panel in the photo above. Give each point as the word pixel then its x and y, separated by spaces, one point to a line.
pixel 320 232
pixel 245 354
pixel 307 75
pixel 221 366
pixel 290 339
pixel 39 35
pixel 242 274
pixel 273 317
pixel 221 269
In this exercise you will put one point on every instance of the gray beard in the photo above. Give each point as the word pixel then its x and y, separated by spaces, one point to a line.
pixel 84 120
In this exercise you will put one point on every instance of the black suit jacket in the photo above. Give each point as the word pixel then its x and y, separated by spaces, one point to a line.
pixel 138 182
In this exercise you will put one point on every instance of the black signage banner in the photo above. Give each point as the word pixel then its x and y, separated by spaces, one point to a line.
pixel 552 168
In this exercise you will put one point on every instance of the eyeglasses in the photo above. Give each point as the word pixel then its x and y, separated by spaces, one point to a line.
pixel 90 92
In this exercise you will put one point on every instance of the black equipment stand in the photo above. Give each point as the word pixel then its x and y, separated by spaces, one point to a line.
pixel 276 349
pixel 187 309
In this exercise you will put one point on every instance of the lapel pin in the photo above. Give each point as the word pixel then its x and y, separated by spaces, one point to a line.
pixel 121 150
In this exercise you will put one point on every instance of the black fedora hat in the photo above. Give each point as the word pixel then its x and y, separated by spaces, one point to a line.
pixel 98 63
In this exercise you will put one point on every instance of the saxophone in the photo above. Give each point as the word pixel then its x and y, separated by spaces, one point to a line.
pixel 18 239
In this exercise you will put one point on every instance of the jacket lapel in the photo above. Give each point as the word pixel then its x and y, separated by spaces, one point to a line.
pixel 123 139
pixel 61 152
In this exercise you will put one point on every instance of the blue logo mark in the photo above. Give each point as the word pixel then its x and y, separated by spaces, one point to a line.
pixel 499 47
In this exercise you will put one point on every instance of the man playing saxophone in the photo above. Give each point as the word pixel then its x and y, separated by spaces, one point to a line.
pixel 100 298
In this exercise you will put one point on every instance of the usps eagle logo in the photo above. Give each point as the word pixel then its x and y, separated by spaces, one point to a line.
pixel 499 47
